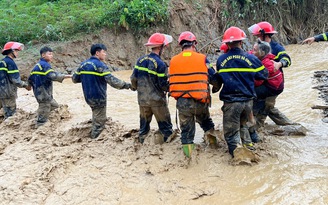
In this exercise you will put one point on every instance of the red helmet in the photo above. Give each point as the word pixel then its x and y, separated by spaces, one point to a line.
pixel 12 46
pixel 187 36
pixel 158 39
pixel 262 28
pixel 233 34
pixel 224 48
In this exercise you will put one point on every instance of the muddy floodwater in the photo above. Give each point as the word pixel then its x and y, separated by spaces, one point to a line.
pixel 59 164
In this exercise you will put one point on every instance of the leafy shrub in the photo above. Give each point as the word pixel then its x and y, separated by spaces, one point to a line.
pixel 137 14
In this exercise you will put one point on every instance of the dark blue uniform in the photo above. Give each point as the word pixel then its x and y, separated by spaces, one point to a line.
pixel 281 55
pixel 9 81
pixel 149 78
pixel 94 76
pixel 40 79
pixel 237 70
pixel 321 37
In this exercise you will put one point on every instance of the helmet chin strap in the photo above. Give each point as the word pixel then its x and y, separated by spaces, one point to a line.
pixel 161 50
pixel 263 34
pixel 12 54
pixel 194 46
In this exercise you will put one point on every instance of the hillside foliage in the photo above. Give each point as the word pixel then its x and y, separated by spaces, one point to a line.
pixel 41 20
pixel 56 20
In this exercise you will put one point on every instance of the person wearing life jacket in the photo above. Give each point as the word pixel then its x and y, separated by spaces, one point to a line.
pixel 273 86
pixel 317 38
pixel 94 75
pixel 40 79
pixel 150 79
pixel 237 71
pixel 10 79
pixel 189 76
pixel 265 31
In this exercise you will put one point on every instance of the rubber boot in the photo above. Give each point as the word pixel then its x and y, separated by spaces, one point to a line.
pixel 141 138
pixel 249 146
pixel 187 149
pixel 246 139
pixel 158 137
pixel 210 138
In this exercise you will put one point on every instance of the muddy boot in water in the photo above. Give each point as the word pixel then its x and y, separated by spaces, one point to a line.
pixel 187 149
pixel 95 131
pixel 158 137
pixel 172 137
pixel 211 138
pixel 141 138
pixel 242 154
pixel 246 139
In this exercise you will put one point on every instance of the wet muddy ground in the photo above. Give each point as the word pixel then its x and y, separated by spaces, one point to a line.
pixel 59 164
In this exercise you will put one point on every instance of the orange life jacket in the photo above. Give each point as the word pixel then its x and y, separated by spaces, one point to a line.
pixel 188 76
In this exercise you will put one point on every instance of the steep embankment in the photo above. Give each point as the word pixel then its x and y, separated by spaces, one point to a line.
pixel 293 20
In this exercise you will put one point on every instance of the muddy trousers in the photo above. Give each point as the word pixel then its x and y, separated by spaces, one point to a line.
pixel 270 110
pixel 99 118
pixel 9 106
pixel 162 116
pixel 235 129
pixel 44 111
pixel 190 112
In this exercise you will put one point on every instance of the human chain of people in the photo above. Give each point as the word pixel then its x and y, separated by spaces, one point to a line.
pixel 249 83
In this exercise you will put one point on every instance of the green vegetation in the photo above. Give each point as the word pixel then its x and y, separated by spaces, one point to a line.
pixel 52 20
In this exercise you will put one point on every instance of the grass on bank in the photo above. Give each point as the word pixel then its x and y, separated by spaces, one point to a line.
pixel 40 20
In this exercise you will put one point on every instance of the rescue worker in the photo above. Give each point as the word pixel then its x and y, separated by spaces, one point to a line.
pixel 317 38
pixel 150 79
pixel 40 79
pixel 94 75
pixel 273 86
pixel 237 71
pixel 265 31
pixel 189 76
pixel 10 78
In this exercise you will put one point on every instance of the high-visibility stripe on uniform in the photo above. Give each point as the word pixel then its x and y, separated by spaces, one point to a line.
pixel 4 63
pixel 188 76
pixel 149 71
pixel 324 36
pixel 89 63
pixel 280 53
pixel 286 59
pixel 41 72
pixel 9 71
pixel 251 70
pixel 83 72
